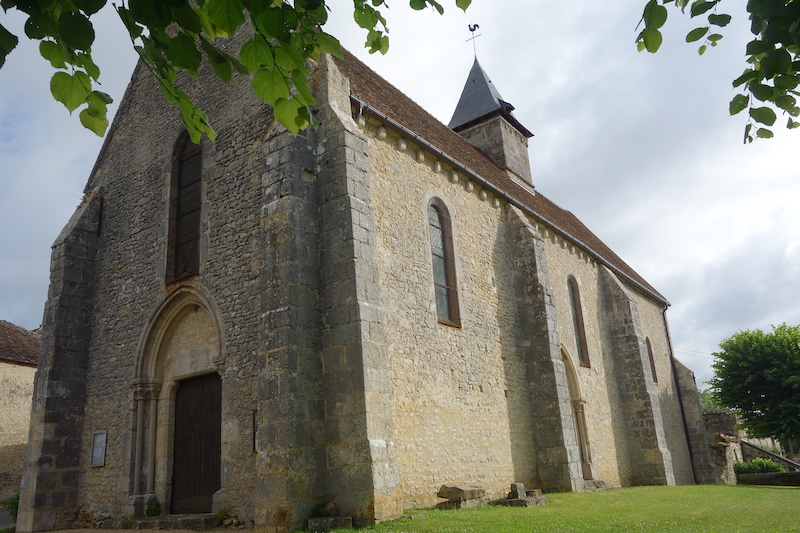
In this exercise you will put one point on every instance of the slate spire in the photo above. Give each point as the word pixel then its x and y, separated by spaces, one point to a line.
pixel 484 119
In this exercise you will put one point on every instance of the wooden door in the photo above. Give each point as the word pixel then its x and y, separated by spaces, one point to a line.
pixel 196 457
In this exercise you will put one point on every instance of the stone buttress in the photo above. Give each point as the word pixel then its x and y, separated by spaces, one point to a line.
pixel 558 458
pixel 49 492
pixel 649 457
pixel 362 471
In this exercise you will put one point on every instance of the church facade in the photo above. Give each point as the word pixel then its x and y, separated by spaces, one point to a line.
pixel 357 314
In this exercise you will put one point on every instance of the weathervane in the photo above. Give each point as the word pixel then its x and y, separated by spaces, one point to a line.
pixel 472 28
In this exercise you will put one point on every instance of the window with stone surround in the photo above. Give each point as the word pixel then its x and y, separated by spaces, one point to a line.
pixel 183 255
pixel 442 258
pixel 652 360
pixel 577 321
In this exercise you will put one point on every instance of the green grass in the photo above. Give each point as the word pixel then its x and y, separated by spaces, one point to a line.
pixel 687 509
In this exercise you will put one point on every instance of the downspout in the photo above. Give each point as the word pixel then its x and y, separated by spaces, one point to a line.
pixel 680 396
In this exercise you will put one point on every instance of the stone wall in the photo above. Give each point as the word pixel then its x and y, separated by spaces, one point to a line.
pixel 460 394
pixel 16 382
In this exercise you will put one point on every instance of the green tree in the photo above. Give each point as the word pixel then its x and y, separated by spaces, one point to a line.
pixel 769 82
pixel 181 35
pixel 758 375
pixel 710 404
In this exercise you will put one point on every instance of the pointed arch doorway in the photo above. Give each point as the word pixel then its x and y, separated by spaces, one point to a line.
pixel 178 408
pixel 578 404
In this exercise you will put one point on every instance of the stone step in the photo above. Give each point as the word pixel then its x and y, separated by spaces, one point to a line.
pixel 194 522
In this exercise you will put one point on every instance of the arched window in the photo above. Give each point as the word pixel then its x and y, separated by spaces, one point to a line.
pixel 444 272
pixel 577 320
pixel 652 361
pixel 185 205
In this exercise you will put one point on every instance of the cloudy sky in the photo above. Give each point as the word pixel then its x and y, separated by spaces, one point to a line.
pixel 639 146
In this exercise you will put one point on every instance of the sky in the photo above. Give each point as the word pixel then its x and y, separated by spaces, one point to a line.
pixel 640 147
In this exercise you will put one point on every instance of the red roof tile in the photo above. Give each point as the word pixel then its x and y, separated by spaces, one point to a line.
pixel 383 97
pixel 18 345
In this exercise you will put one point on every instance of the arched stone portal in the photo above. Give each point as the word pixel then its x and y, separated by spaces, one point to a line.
pixel 182 343
pixel 579 415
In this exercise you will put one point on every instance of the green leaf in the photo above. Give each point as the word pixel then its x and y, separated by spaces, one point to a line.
pixel 303 94
pixel 702 50
pixel 738 103
pixel 719 20
pixel 699 7
pixel 764 115
pixel 226 14
pixel 463 4
pixel 54 53
pixel 747 137
pixel 183 53
pixel 256 54
pixel 40 25
pixel 764 133
pixel 655 16
pixel 308 5
pixel 96 124
pixel 76 30
pixel 289 57
pixel 714 37
pixel 8 41
pixel 762 92
pixel 287 113
pixel 792 124
pixel 90 7
pixel 85 60
pixel 696 34
pixel 134 29
pixel 151 13
pixel 745 77
pixel 786 102
pixel 270 85
pixel 418 4
pixel 186 18
pixel 652 40
pixel 102 97
pixel 272 23
pixel 757 46
pixel 70 90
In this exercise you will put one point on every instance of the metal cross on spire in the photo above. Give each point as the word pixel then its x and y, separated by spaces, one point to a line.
pixel 472 28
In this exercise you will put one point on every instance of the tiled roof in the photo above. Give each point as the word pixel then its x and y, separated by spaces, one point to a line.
pixel 18 345
pixel 382 96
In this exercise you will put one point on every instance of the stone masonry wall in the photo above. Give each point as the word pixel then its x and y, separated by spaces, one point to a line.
pixel 16 382
pixel 49 490
pixel 136 170
pixel 461 401
pixel 605 428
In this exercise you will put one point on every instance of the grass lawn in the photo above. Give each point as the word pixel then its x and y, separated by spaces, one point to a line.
pixel 686 509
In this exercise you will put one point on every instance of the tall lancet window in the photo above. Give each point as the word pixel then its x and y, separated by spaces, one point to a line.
pixel 577 320
pixel 185 206
pixel 652 360
pixel 444 272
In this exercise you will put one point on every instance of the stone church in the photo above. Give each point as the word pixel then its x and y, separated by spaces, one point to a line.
pixel 357 314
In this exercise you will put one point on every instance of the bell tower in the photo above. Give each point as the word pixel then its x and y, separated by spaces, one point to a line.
pixel 484 119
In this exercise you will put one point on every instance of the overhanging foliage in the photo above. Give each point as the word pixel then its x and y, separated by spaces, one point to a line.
pixel 178 35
